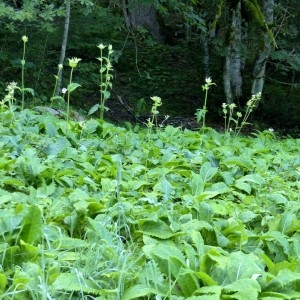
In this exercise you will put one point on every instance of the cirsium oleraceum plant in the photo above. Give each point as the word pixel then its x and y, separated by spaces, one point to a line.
pixel 73 62
pixel 106 77
pixel 201 112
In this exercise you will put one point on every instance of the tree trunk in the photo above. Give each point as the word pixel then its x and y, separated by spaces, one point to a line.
pixel 232 77
pixel 64 44
pixel 262 57
pixel 143 14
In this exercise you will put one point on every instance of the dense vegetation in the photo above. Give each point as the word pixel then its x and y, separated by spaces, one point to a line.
pixel 147 210
pixel 94 211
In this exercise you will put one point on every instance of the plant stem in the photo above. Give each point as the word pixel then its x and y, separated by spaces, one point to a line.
pixel 23 70
pixel 69 92
pixel 204 108
pixel 101 85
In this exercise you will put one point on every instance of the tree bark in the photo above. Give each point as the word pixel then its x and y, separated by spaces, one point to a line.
pixel 143 14
pixel 262 57
pixel 64 44
pixel 232 77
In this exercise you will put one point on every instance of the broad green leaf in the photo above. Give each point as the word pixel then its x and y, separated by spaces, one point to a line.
pixel 186 280
pixel 164 250
pixel 240 266
pixel 76 283
pixel 91 126
pixel 32 225
pixel 30 250
pixel 9 222
pixel 73 86
pixel 284 279
pixel 288 223
pixel 207 280
pixel 197 184
pixel 106 94
pixel 164 187
pixel 196 225
pixel 243 289
pixel 3 281
pixel 219 187
pixel 254 178
pixel 57 147
pixel 157 229
pixel 207 171
pixel 243 186
pixel 136 291
pixel 205 211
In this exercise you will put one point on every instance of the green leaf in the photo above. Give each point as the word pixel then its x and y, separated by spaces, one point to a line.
pixel 136 291
pixel 3 281
pixel 164 187
pixel 240 265
pixel 284 279
pixel 243 186
pixel 288 223
pixel 254 178
pixel 197 184
pixel 29 90
pixel 157 229
pixel 186 280
pixel 73 86
pixel 243 289
pixel 75 283
pixel 207 171
pixel 208 293
pixel 32 225
pixel 106 95
pixel 94 109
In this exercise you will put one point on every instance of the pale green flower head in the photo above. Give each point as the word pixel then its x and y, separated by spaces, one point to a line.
pixel 239 114
pixel 25 38
pixel 101 46
pixel 232 105
pixel 208 80
pixel 74 61
pixel 60 67
pixel 157 100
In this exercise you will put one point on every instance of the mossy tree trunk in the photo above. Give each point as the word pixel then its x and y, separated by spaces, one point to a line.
pixel 264 53
pixel 232 77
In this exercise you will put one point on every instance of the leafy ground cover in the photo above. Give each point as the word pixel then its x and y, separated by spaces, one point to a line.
pixel 90 210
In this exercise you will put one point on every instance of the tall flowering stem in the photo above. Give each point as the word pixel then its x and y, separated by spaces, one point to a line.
pixel 73 62
pixel 201 113
pixel 25 40
pixel 105 77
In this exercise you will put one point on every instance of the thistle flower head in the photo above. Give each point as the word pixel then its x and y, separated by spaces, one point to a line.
pixel 101 46
pixel 74 61
pixel 25 38
pixel 232 105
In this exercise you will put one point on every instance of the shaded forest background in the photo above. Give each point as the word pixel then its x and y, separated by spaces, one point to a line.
pixel 162 48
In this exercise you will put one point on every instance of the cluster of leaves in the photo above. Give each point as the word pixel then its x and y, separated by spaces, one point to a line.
pixel 94 211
